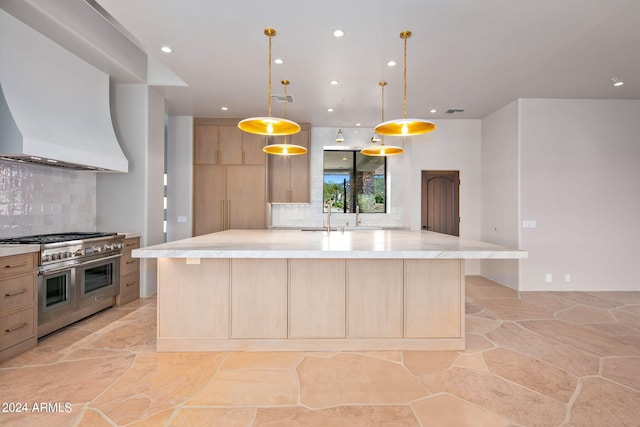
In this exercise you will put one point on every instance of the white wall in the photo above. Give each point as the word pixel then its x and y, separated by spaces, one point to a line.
pixel 454 145
pixel 179 177
pixel 133 202
pixel 580 181
pixel 500 214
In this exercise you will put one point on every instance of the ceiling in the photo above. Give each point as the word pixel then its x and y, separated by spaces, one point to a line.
pixel 463 54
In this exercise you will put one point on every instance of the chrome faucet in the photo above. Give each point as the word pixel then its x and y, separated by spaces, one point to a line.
pixel 358 220
pixel 329 215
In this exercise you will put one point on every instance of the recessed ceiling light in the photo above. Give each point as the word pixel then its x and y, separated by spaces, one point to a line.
pixel 617 82
pixel 334 82
pixel 345 159
pixel 278 61
pixel 166 49
pixel 357 124
pixel 330 110
pixel 338 33
pixel 224 108
pixel 391 63
pixel 433 111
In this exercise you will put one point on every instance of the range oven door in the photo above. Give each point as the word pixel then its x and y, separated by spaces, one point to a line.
pixel 97 280
pixel 55 295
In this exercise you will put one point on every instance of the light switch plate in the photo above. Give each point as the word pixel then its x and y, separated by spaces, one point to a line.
pixel 529 223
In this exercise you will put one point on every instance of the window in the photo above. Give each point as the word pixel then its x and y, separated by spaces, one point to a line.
pixel 352 179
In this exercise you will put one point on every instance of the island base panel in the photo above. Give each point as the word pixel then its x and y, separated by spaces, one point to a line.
pixel 240 304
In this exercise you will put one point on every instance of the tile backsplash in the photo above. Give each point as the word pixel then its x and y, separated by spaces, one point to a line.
pixel 39 199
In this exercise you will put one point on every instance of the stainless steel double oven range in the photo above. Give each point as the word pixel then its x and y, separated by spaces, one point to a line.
pixel 78 275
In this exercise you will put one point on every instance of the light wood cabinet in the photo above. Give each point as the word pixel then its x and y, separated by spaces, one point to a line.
pixel 375 304
pixel 18 304
pixel 228 197
pixel 188 292
pixel 258 298
pixel 317 295
pixel 289 175
pixel 129 273
pixel 221 142
pixel 299 304
pixel 229 185
pixel 432 298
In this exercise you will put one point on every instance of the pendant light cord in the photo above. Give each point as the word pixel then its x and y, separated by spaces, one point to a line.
pixel 270 34
pixel 405 35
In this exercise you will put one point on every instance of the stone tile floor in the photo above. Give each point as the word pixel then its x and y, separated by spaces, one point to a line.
pixel 532 359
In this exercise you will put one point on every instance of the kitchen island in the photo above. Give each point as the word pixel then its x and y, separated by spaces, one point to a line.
pixel 312 290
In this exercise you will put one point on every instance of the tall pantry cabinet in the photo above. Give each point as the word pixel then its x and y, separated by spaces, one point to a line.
pixel 229 185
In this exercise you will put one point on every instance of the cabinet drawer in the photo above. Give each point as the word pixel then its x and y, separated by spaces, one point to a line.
pixel 16 327
pixel 130 284
pixel 131 244
pixel 16 264
pixel 128 264
pixel 17 292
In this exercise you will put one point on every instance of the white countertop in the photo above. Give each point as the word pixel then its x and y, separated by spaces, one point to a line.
pixel 320 244
pixel 131 234
pixel 8 250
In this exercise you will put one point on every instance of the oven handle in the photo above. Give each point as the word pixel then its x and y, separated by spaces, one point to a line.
pixel 57 270
pixel 93 261
pixel 77 264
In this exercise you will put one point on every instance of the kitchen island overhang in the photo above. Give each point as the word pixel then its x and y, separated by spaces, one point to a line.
pixel 267 290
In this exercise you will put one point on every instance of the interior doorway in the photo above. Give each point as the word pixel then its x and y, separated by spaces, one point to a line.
pixel 441 202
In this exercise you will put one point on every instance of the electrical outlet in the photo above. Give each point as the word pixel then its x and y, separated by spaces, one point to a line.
pixel 548 278
pixel 567 277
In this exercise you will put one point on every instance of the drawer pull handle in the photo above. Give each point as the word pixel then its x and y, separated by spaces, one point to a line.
pixel 130 284
pixel 131 262
pixel 13 294
pixel 15 328
pixel 15 265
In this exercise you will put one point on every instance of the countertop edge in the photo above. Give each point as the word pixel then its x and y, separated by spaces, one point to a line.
pixel 9 250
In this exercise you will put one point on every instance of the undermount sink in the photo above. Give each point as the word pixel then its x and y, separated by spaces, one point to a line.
pixel 340 228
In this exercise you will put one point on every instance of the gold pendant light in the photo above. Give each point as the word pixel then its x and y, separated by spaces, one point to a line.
pixel 269 125
pixel 404 126
pixel 285 149
pixel 381 150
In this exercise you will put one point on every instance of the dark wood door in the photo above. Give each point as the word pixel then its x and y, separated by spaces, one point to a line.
pixel 440 202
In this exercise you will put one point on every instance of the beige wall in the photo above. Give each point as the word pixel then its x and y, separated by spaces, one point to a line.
pixel 580 182
pixel 500 213
pixel 454 145
pixel 133 202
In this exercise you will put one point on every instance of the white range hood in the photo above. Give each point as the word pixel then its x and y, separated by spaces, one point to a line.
pixel 54 106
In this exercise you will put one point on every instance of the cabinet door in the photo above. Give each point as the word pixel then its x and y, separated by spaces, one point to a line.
pixel 246 197
pixel 280 179
pixel 299 191
pixel 209 199
pixel 317 298
pixel 195 302
pixel 375 304
pixel 205 147
pixel 230 145
pixel 252 145
pixel 433 298
pixel 258 298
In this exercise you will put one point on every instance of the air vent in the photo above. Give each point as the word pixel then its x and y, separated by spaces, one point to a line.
pixel 454 110
pixel 280 99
